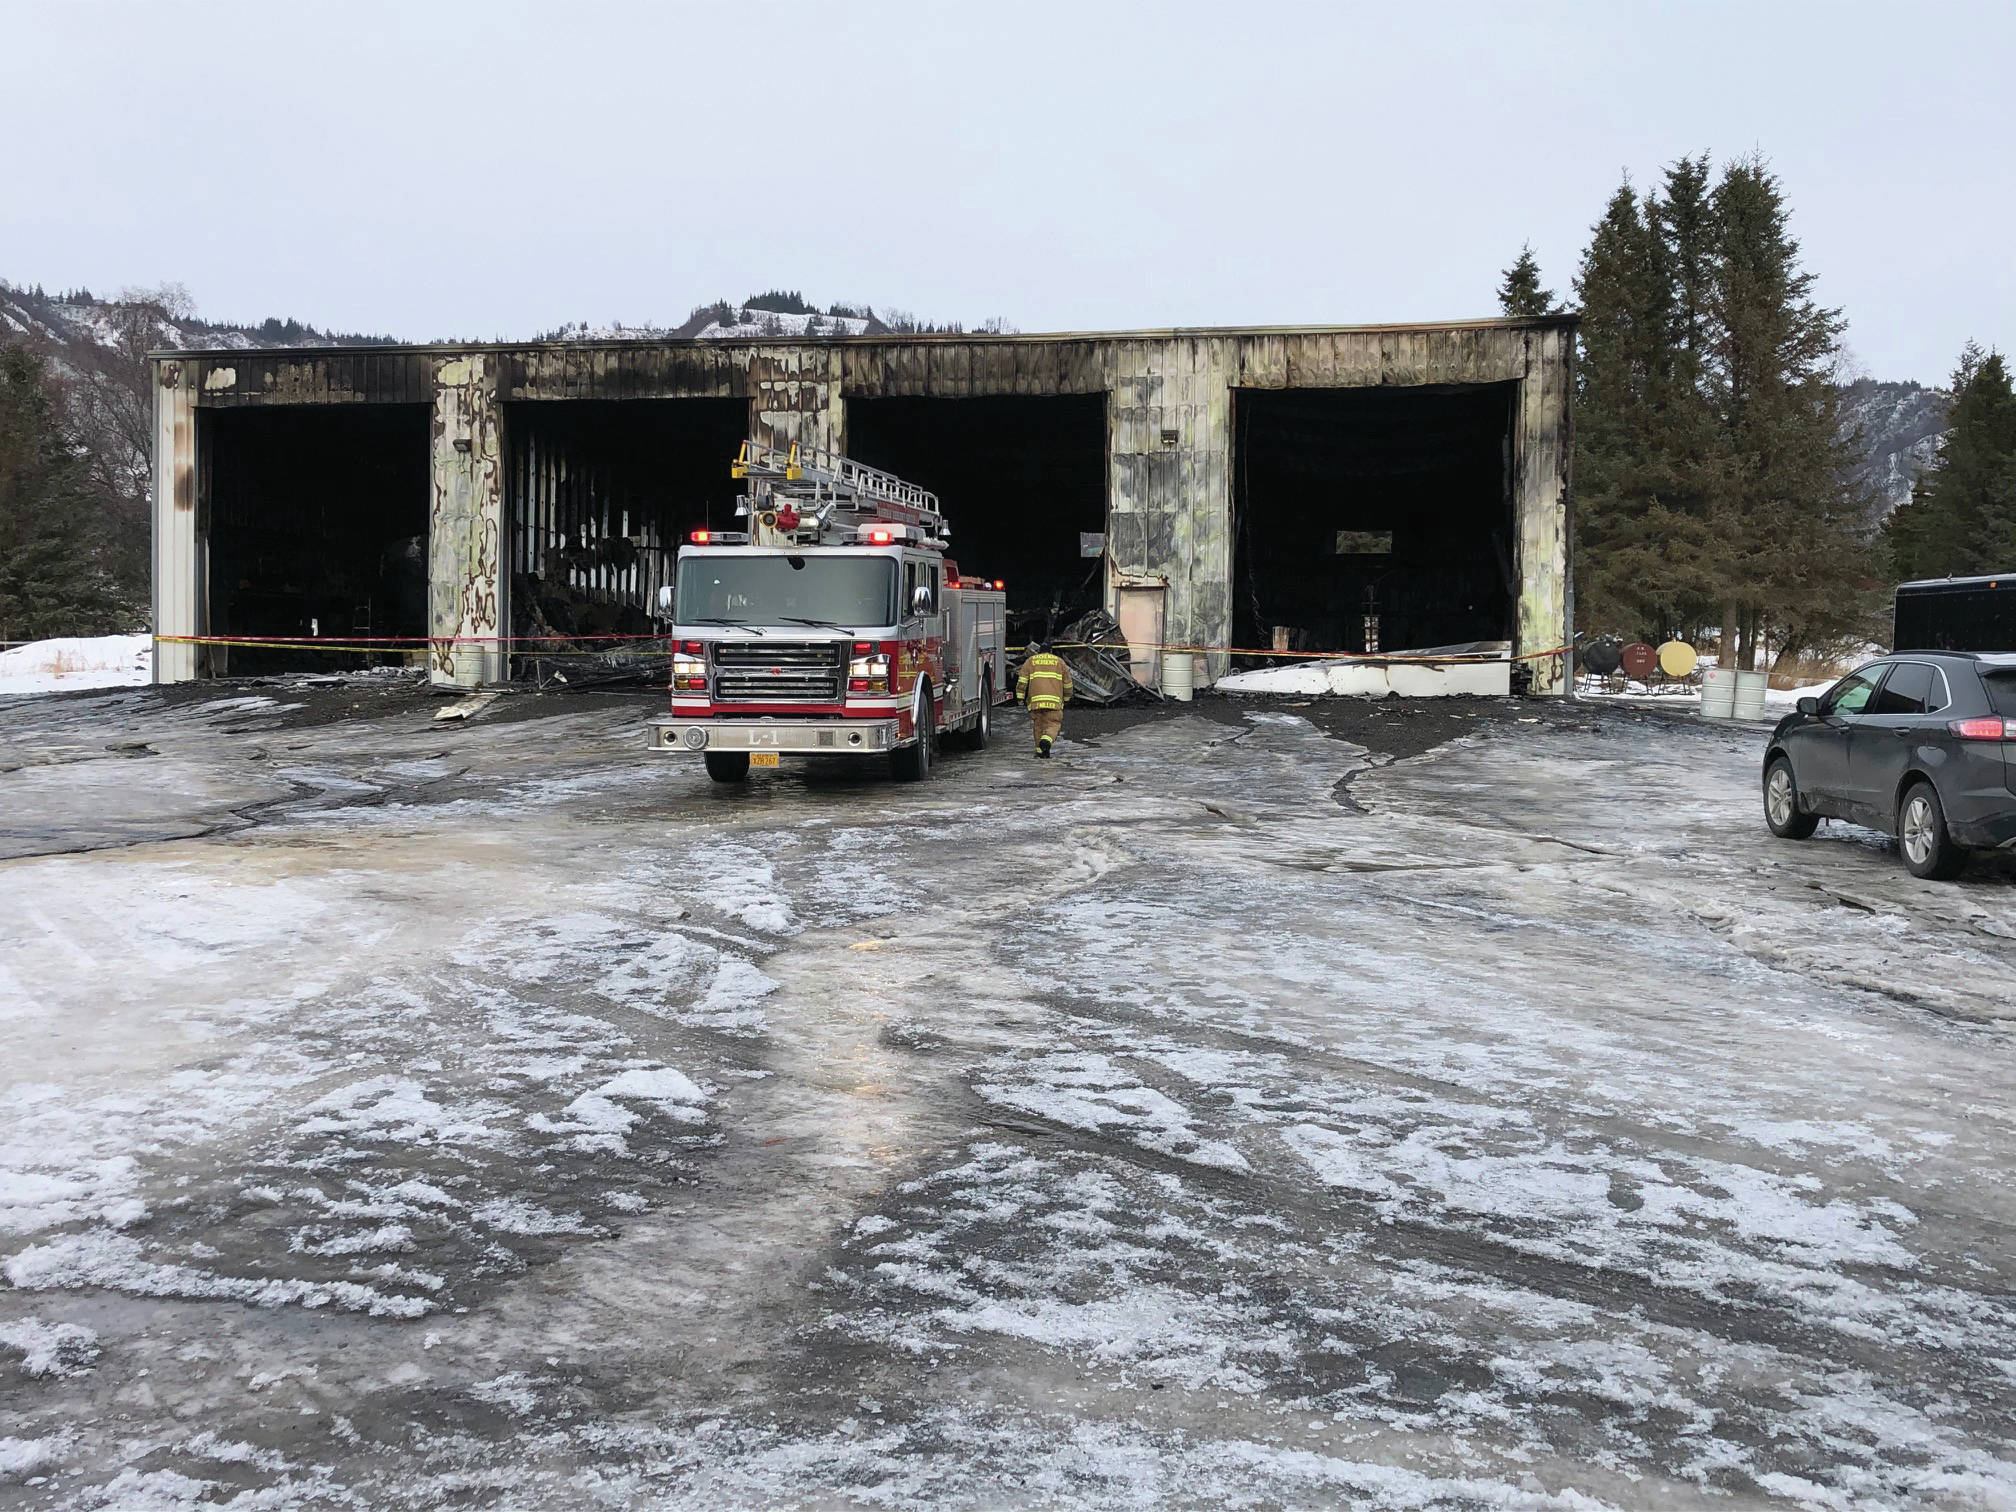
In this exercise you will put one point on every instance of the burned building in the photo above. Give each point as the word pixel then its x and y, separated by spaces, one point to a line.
pixel 1348 489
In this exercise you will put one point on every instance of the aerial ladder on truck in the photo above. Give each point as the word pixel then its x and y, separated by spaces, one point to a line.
pixel 803 496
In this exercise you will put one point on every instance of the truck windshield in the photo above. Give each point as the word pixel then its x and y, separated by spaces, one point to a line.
pixel 770 590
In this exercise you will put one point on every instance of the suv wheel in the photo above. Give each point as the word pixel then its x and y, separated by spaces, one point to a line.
pixel 1928 849
pixel 1781 803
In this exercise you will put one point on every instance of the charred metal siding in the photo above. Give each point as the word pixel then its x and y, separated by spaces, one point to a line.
pixel 1172 399
pixel 563 498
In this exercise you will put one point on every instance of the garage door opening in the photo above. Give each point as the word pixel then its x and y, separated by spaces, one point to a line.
pixel 1022 481
pixel 317 528
pixel 1373 519
pixel 599 494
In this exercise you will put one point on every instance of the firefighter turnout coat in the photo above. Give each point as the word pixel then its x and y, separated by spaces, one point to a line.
pixel 1045 682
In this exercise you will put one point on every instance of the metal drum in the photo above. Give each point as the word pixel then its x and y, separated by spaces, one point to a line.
pixel 1718 693
pixel 1750 688
pixel 1179 675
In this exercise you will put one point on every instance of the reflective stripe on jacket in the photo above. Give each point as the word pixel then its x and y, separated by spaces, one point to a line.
pixel 1045 682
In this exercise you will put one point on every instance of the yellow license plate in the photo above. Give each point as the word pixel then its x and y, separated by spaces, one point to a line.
pixel 762 758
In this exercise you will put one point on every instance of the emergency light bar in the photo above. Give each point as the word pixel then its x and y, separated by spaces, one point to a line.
pixel 719 538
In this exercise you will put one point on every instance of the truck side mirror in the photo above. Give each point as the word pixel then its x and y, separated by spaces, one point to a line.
pixel 920 601
pixel 665 597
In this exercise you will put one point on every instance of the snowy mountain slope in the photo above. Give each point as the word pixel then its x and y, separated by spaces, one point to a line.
pixel 1899 427
pixel 752 323
pixel 725 323
pixel 79 319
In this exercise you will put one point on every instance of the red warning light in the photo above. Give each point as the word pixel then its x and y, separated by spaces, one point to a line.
pixel 999 584
pixel 879 538
pixel 702 537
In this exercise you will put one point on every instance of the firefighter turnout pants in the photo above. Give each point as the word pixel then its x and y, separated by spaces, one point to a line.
pixel 1047 723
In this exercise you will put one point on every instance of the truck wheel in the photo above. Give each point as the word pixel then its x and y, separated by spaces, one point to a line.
pixel 983 722
pixel 973 737
pixel 727 766
pixel 912 763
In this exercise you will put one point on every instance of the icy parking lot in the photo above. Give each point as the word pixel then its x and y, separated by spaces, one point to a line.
pixel 1324 1105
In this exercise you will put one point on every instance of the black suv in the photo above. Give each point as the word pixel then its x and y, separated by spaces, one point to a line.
pixel 1921 744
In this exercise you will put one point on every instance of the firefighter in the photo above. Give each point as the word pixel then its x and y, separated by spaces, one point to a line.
pixel 1044 687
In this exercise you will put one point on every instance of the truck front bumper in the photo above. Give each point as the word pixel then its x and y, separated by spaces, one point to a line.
pixel 798 737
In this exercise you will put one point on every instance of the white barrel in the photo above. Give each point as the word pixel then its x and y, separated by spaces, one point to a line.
pixel 1718 693
pixel 1750 688
pixel 1179 675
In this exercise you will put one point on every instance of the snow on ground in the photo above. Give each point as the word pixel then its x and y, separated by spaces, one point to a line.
pixel 1686 698
pixel 1221 1115
pixel 1366 678
pixel 56 666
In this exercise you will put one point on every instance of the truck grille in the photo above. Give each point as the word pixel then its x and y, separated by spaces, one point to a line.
pixel 778 671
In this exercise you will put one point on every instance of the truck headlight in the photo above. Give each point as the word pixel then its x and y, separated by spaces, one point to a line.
pixel 689 674
pixel 868 674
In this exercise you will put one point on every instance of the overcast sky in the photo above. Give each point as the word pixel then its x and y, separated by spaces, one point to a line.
pixel 491 170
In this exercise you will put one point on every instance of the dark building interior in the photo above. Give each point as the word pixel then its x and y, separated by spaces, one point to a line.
pixel 1391 505
pixel 1019 478
pixel 599 494
pixel 317 527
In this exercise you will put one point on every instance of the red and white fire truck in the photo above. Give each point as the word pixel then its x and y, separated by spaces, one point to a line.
pixel 835 625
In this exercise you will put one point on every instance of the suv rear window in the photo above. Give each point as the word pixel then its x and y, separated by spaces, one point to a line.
pixel 2001 688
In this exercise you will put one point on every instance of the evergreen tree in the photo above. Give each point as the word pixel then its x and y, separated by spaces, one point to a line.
pixel 1686 222
pixel 1643 557
pixel 1961 521
pixel 50 583
pixel 1519 292
pixel 1685 457
pixel 1793 550
pixel 1711 477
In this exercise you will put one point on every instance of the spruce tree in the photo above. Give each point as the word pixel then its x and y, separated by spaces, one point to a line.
pixel 1961 521
pixel 50 583
pixel 1644 556
pixel 1519 291
pixel 1686 222
pixel 1789 524
pixel 1711 477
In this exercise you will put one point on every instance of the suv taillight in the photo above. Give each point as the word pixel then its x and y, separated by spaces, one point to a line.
pixel 1984 729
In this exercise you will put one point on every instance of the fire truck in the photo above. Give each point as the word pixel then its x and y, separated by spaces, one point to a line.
pixel 835 625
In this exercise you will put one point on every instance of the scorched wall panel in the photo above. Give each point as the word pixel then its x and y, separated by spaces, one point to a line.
pixel 1170 451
